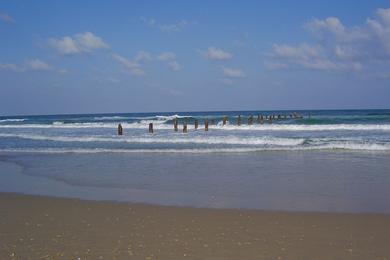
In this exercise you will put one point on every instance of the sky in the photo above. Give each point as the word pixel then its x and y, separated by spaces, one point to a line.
pixel 66 57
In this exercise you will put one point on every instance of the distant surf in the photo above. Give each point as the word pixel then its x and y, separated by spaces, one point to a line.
pixel 358 130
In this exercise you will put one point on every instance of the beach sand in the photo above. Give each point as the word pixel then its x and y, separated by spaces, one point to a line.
pixel 33 227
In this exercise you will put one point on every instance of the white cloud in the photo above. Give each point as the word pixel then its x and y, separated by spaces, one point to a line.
pixel 170 58
pixel 149 22
pixel 65 45
pixel 273 65
pixel 303 51
pixel 29 65
pixel 133 66
pixel 143 56
pixel 112 80
pixel 338 47
pixel 89 41
pixel 233 73
pixel 37 65
pixel 370 40
pixel 308 57
pixel 174 65
pixel 213 53
pixel 176 27
pixel 173 27
pixel 79 43
pixel 166 56
pixel 10 66
pixel 6 18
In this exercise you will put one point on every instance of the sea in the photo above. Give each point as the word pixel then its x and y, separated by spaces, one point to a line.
pixel 306 160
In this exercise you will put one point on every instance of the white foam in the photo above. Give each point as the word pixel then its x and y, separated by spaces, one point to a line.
pixel 229 140
pixel 340 146
pixel 160 124
pixel 296 127
pixel 12 120
pixel 166 118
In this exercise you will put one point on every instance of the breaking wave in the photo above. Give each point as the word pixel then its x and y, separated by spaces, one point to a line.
pixel 13 120
pixel 160 124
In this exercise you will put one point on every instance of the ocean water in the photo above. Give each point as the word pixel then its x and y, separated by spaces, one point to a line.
pixel 337 160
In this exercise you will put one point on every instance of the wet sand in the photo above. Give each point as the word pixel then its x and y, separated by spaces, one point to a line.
pixel 33 227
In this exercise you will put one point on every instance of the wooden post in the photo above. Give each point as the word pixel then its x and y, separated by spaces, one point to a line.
pixel 239 120
pixel 151 128
pixel 196 124
pixel 175 124
pixel 206 125
pixel 120 129
pixel 224 120
pixel 258 119
pixel 185 127
pixel 250 120
pixel 270 119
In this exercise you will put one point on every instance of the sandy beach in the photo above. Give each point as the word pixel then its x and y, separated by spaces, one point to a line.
pixel 33 227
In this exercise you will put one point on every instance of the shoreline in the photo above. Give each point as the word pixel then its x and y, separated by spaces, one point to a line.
pixel 62 228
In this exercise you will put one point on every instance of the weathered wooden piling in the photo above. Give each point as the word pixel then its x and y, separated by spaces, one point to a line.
pixel 260 119
pixel 150 127
pixel 239 120
pixel 185 127
pixel 206 125
pixel 175 125
pixel 250 120
pixel 196 123
pixel 120 129
pixel 225 118
pixel 270 120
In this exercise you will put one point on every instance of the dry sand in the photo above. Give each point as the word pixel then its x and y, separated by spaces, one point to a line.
pixel 33 227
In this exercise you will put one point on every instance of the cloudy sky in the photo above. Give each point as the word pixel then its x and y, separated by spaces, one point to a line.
pixel 128 56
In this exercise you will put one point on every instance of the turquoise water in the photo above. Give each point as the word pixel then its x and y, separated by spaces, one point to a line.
pixel 325 161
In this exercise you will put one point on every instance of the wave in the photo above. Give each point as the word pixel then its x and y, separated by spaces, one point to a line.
pixel 296 127
pixel 339 146
pixel 165 118
pixel 110 117
pixel 162 126
pixel 117 118
pixel 13 120
pixel 228 140
pixel 157 117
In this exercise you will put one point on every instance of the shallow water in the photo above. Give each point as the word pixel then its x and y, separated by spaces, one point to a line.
pixel 334 181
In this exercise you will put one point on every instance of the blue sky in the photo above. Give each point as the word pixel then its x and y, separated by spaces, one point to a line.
pixel 127 56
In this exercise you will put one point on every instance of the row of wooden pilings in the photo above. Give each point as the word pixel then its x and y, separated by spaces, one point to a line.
pixel 260 120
